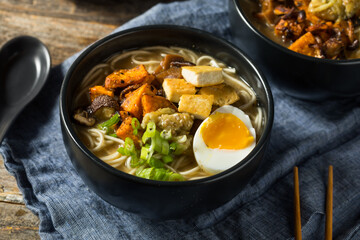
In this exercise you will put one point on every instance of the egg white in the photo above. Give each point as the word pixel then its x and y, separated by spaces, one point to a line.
pixel 217 160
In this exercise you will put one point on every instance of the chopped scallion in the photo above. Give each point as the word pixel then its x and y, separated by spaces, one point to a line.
pixel 157 141
pixel 105 126
pixel 173 146
pixel 150 132
pixel 180 148
pixel 156 163
pixel 181 139
pixel 146 152
pixel 167 159
pixel 165 134
pixel 176 177
pixel 135 125
pixel 159 174
pixel 129 145
pixel 165 147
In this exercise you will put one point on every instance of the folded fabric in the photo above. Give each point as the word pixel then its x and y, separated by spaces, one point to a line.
pixel 309 135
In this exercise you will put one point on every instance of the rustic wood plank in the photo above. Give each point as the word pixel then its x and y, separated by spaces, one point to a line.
pixel 63 37
pixel 66 27
pixel 9 192
pixel 16 221
pixel 104 11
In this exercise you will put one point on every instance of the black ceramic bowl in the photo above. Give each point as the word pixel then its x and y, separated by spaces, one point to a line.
pixel 155 199
pixel 298 75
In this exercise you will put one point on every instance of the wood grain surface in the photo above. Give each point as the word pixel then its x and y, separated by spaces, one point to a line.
pixel 66 27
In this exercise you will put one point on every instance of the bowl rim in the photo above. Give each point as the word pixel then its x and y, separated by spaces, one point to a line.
pixel 254 29
pixel 67 123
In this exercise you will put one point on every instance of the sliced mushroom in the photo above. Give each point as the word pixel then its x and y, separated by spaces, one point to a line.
pixel 168 59
pixel 103 107
pixel 173 72
pixel 171 60
pixel 181 63
pixel 82 117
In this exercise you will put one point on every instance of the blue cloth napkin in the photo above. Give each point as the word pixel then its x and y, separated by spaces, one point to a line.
pixel 310 135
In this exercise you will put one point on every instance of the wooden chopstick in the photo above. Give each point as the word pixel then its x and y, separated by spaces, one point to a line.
pixel 329 205
pixel 297 205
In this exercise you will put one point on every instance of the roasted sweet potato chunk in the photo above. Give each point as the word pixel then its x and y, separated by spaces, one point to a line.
pixel 151 103
pixel 289 29
pixel 126 130
pixel 96 91
pixel 126 77
pixel 304 45
pixel 132 102
pixel 124 115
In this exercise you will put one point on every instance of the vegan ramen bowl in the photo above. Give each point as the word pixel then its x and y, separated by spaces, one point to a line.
pixel 162 125
pixel 309 47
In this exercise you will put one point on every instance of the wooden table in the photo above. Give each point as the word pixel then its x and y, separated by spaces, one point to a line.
pixel 65 26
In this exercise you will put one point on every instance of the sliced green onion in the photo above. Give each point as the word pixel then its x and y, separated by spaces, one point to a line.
pixel 150 132
pixel 173 146
pixel 181 139
pixel 156 163
pixel 113 135
pixel 176 177
pixel 135 125
pixel 157 142
pixel 135 161
pixel 139 169
pixel 181 148
pixel 121 150
pixel 165 147
pixel 135 132
pixel 157 155
pixel 129 150
pixel 167 159
pixel 159 174
pixel 146 153
pixel 165 134
pixel 147 173
pixel 129 145
pixel 105 126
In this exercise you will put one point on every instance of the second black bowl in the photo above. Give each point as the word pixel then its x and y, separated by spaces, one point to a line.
pixel 298 75
pixel 154 199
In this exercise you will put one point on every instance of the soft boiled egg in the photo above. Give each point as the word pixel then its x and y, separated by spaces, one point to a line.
pixel 223 139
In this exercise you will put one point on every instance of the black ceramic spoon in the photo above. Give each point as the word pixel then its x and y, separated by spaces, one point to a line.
pixel 24 67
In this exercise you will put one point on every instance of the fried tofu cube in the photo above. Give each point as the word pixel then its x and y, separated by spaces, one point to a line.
pixel 202 76
pixel 223 94
pixel 132 102
pixel 152 103
pixel 198 105
pixel 174 88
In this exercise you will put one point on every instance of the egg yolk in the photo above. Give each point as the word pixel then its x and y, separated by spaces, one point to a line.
pixel 226 131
